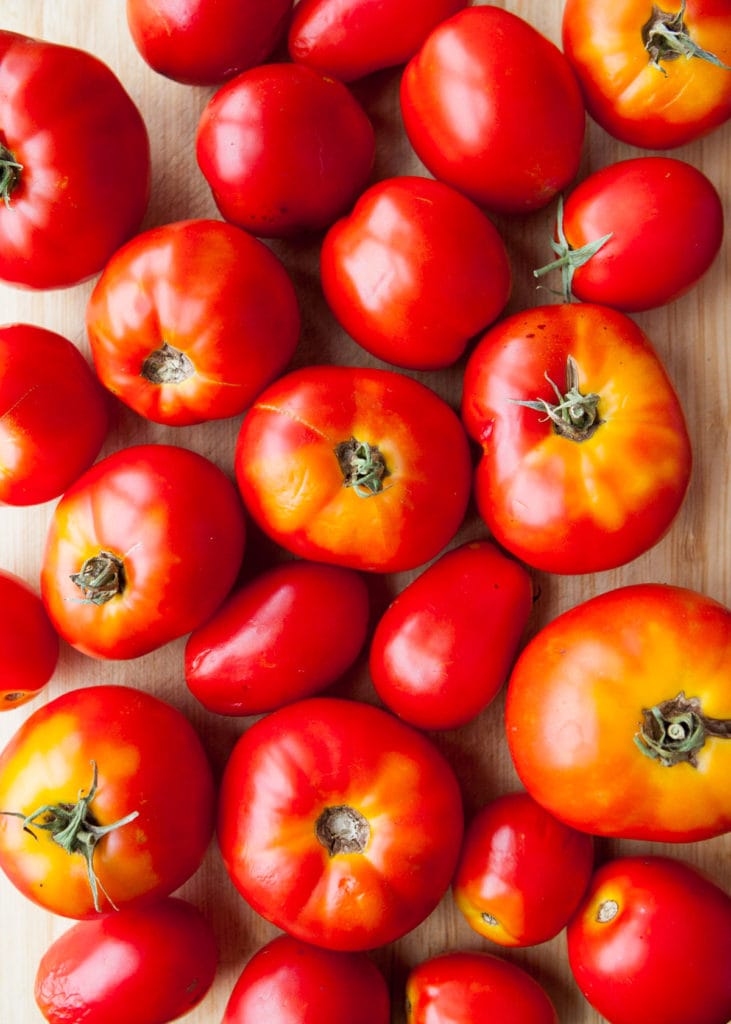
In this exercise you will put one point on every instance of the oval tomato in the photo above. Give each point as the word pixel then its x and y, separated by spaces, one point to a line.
pixel 107 801
pixel 586 456
pixel 338 823
pixel 191 320
pixel 617 715
pixel 28 641
pixel 122 567
pixel 386 267
pixel 364 467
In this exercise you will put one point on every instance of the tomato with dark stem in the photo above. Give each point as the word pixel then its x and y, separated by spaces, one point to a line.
pixel 28 641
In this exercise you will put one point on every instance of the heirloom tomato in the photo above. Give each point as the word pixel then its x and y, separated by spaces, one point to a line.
pixel 28 642
pixel 107 801
pixel 338 823
pixel 586 456
pixel 364 467
pixel 618 715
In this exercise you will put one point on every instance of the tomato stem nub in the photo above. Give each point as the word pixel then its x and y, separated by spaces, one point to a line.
pixel 363 467
pixel 569 259
pixel 673 731
pixel 101 578
pixel 574 416
pixel 342 829
pixel 666 37
pixel 167 365
pixel 9 173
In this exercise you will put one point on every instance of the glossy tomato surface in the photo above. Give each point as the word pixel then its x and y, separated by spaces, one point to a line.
pixel 28 641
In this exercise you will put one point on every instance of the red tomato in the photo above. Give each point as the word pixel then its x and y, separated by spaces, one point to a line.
pixel 585 452
pixel 618 715
pixel 292 982
pixel 338 823
pixel 513 152
pixel 386 267
pixel 443 648
pixel 107 801
pixel 286 634
pixel 141 550
pixel 190 321
pixel 74 163
pixel 53 414
pixel 159 959
pixel 521 873
pixel 28 642
pixel 652 76
pixel 198 42
pixel 651 942
pixel 284 150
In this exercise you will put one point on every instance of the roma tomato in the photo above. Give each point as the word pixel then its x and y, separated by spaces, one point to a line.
pixel 651 942
pixel 160 959
pixel 338 823
pixel 107 801
pixel 364 467
pixel 521 872
pixel 444 647
pixel 28 642
pixel 191 320
pixel 657 76
pixel 284 149
pixel 74 163
pixel 515 152
pixel 141 550
pixel 586 456
pixel 617 715
pixel 386 267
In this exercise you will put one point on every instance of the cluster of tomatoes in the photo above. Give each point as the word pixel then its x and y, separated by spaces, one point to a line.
pixel 339 820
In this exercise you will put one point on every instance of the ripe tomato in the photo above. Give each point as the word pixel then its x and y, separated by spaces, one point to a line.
pixel 338 823
pixel 190 321
pixel 521 872
pixel 652 76
pixel 107 801
pixel 619 233
pixel 284 149
pixel 292 982
pixel 286 634
pixel 28 642
pixel 386 267
pixel 443 648
pixel 360 466
pixel 142 549
pixel 617 715
pixel 74 163
pixel 515 152
pixel 651 942
pixel 160 959
pixel 585 453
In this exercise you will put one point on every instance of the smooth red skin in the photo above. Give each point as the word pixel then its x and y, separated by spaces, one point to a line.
pixel 292 982
pixel 284 150
pixel 197 42
pixel 85 153
pixel 443 648
pixel 176 522
pixel 211 291
pixel 522 866
pixel 472 988
pixel 53 414
pixel 513 153
pixel 28 641
pixel 664 957
pixel 286 634
pixel 386 267
pixel 349 39
pixel 160 959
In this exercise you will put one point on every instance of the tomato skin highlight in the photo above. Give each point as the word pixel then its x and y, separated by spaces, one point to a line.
pixel 29 643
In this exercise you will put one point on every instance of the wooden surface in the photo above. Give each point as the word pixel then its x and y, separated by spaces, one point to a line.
pixel 692 336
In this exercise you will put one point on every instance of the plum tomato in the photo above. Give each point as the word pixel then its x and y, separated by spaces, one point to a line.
pixel 28 641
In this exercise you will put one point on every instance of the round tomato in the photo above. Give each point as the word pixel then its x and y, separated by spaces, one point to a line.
pixel 651 942
pixel 107 801
pixel 618 710
pixel 655 76
pixel 365 467
pixel 338 823
pixel 284 149
pixel 28 641
pixel 586 456
pixel 443 648
pixel 141 550
pixel 189 321
pixel 386 267
pixel 160 959
pixel 514 152
pixel 74 163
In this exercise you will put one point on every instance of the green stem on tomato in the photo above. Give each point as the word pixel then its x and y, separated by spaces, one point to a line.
pixel 9 173
pixel 673 731
pixel 100 578
pixel 666 37
pixel 363 467
pixel 575 416
pixel 569 259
